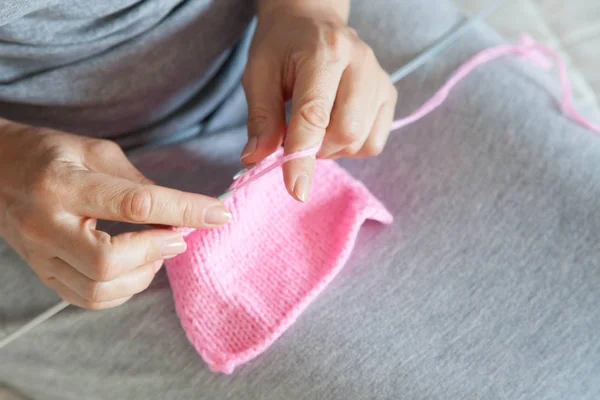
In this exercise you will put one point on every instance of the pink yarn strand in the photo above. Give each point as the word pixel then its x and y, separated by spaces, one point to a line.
pixel 277 161
pixel 527 47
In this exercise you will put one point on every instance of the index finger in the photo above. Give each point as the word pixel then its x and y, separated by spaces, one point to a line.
pixel 117 199
pixel 313 97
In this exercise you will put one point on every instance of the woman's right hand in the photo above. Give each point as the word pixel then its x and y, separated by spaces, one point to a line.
pixel 53 188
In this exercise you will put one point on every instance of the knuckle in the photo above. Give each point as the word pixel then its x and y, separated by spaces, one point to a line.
pixel 104 266
pixel 336 43
pixel 315 114
pixel 94 292
pixel 146 283
pixel 350 134
pixel 352 34
pixel 136 205
pixel 188 213
pixel 354 149
pixel 259 119
pixel 352 128
pixel 373 148
pixel 50 149
pixel 366 50
pixel 46 184
pixel 99 147
pixel 50 184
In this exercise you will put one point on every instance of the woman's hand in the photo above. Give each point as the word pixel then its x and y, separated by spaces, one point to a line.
pixel 303 50
pixel 53 188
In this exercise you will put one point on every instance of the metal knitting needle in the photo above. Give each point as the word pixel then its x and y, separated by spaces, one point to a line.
pixel 241 173
pixel 33 323
pixel 46 315
pixel 444 43
pixel 402 72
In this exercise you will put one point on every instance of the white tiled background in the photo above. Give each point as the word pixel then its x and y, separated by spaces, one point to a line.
pixel 572 27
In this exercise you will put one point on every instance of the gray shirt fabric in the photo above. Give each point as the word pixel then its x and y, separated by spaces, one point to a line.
pixel 85 66
pixel 484 287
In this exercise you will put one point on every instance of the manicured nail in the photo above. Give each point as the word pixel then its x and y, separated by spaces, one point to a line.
pixel 217 215
pixel 172 247
pixel 250 148
pixel 302 187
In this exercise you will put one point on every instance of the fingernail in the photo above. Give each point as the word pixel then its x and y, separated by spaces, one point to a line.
pixel 302 187
pixel 217 215
pixel 172 247
pixel 250 148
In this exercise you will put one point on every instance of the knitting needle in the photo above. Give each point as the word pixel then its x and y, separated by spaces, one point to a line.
pixel 427 55
pixel 226 194
pixel 241 173
pixel 60 306
pixel 402 72
pixel 444 43
pixel 33 323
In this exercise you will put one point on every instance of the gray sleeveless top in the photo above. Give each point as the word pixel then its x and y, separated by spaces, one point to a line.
pixel 135 71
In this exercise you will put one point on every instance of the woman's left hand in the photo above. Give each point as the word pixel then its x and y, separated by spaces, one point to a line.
pixel 341 97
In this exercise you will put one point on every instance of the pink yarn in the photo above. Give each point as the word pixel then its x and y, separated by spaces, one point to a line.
pixel 278 159
pixel 528 47
pixel 239 287
pixel 536 52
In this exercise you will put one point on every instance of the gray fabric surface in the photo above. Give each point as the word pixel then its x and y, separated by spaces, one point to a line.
pixel 135 71
pixel 11 10
pixel 485 287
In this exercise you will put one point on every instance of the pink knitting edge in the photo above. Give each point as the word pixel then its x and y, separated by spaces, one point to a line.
pixel 534 51
pixel 273 161
pixel 262 168
pixel 529 48
pixel 373 210
pixel 227 365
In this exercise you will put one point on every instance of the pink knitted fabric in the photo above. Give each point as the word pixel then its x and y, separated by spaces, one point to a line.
pixel 237 288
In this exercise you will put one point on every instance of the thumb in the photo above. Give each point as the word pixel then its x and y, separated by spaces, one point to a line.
pixel 266 109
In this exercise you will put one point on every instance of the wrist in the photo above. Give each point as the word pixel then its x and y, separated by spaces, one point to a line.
pixel 340 9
